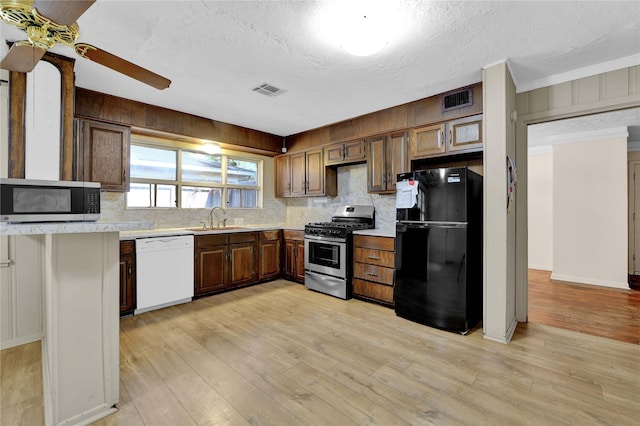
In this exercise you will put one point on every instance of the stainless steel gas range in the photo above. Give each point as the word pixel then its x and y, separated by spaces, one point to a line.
pixel 328 248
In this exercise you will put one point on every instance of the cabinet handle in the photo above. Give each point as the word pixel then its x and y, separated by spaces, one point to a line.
pixel 451 137
pixel 373 257
pixel 372 274
pixel 130 270
pixel 440 137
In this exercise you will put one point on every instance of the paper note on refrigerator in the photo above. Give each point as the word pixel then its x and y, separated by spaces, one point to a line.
pixel 406 194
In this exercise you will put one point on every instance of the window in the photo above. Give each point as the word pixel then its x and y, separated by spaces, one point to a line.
pixel 165 176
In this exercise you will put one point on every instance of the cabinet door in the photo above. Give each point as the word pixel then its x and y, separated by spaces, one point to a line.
pixel 334 154
pixel 283 176
pixel 315 172
pixel 427 141
pixel 269 259
pixel 299 261
pixel 298 174
pixel 289 258
pixel 105 155
pixel 242 263
pixel 127 277
pixel 355 150
pixel 376 165
pixel 211 269
pixel 397 158
pixel 465 134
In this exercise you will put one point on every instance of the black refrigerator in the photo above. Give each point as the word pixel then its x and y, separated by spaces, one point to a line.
pixel 438 255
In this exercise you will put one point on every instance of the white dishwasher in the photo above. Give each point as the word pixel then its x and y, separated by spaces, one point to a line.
pixel 164 272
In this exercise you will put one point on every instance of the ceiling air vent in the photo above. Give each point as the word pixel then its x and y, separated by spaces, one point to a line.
pixel 458 99
pixel 268 89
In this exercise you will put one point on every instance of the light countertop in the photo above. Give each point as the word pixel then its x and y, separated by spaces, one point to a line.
pixel 70 227
pixel 132 235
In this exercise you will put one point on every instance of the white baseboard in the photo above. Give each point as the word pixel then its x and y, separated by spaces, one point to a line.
pixel 585 280
pixel 540 267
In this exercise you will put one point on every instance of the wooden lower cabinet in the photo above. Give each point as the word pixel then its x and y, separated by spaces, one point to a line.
pixel 127 277
pixel 269 255
pixel 224 261
pixel 294 255
pixel 373 268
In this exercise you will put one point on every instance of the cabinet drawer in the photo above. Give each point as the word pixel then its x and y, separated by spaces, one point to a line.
pixel 375 273
pixel 270 235
pixel 127 247
pixel 380 243
pixel 383 293
pixel 212 240
pixel 374 257
pixel 293 235
pixel 242 237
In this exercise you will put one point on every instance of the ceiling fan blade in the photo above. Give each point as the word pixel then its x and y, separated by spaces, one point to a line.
pixel 62 12
pixel 122 66
pixel 22 57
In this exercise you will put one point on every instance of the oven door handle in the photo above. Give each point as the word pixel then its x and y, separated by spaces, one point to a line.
pixel 321 238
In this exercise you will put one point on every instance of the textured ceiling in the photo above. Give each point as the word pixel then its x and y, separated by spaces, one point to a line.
pixel 215 52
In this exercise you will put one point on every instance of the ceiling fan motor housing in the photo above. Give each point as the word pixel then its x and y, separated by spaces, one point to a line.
pixel 41 31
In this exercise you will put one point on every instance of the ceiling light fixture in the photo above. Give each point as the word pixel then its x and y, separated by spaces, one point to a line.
pixel 362 28
pixel 211 148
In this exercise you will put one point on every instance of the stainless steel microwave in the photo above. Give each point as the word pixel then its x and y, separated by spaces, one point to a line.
pixel 27 200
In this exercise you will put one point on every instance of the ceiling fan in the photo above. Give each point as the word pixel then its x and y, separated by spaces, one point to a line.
pixel 48 22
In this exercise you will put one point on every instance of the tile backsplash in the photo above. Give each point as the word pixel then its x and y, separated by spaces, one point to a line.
pixel 293 212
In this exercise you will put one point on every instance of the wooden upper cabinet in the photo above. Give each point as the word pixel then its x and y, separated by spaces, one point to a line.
pixel 103 154
pixel 283 175
pixel 315 172
pixel 307 175
pixel 344 153
pixel 427 141
pixel 465 134
pixel 298 174
pixel 387 157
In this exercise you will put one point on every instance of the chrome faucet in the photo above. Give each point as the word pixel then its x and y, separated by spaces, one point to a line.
pixel 217 218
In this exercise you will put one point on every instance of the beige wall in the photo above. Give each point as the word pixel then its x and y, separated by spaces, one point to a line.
pixel 499 316
pixel 540 193
pixel 590 212
pixel 633 160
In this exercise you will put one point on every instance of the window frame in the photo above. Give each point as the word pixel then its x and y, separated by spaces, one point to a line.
pixel 180 147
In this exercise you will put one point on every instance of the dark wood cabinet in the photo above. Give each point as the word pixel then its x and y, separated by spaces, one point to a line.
pixel 269 255
pixel 345 153
pixel 294 255
pixel 387 157
pixel 211 263
pixel 103 154
pixel 242 258
pixel 373 268
pixel 127 277
pixel 304 174
pixel 283 175
pixel 224 261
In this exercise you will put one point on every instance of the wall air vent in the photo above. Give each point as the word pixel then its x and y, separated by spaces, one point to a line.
pixel 268 89
pixel 457 99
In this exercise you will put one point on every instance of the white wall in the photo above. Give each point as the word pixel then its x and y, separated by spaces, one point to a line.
pixel 42 122
pixel 499 95
pixel 590 228
pixel 540 193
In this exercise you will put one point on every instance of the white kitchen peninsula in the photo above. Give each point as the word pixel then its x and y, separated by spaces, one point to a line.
pixel 80 270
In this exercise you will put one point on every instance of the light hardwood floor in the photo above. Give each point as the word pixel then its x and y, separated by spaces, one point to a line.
pixel 280 354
